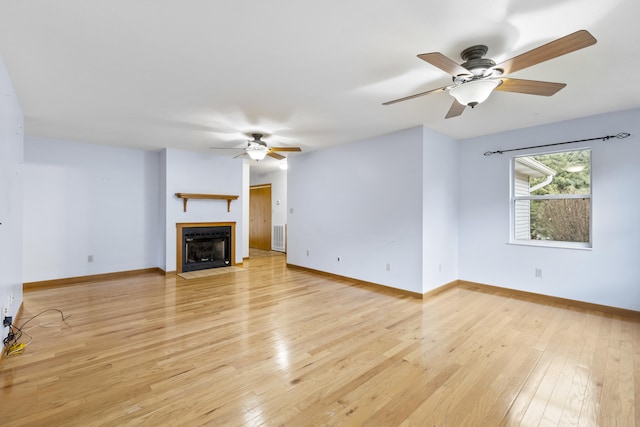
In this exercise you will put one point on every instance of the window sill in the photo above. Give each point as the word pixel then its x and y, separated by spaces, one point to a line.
pixel 550 244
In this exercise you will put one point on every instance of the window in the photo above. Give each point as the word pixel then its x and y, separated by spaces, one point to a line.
pixel 551 199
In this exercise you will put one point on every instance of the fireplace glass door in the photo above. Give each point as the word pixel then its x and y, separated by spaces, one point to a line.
pixel 205 247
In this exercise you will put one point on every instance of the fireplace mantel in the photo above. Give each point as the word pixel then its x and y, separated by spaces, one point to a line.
pixel 186 196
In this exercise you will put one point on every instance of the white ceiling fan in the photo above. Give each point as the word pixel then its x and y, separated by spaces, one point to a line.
pixel 257 149
pixel 476 78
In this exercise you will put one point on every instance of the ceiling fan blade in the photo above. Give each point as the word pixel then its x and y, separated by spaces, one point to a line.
pixel 286 149
pixel 445 63
pixel 406 98
pixel 455 110
pixel 275 155
pixel 244 153
pixel 562 46
pixel 530 87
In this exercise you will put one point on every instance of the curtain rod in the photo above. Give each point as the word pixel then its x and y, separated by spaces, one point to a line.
pixel 620 135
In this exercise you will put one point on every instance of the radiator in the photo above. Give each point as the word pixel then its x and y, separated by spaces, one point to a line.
pixel 278 238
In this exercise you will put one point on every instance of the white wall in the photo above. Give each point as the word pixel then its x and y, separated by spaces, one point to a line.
pixel 162 232
pixel 246 179
pixel 440 210
pixel 609 274
pixel 361 202
pixel 117 205
pixel 278 181
pixel 83 199
pixel 191 172
pixel 11 175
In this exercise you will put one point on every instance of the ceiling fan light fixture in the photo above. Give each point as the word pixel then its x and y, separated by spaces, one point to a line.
pixel 474 92
pixel 257 152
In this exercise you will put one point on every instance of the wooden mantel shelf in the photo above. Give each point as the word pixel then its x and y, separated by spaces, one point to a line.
pixel 186 196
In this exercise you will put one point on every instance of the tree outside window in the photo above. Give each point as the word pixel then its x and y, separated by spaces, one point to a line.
pixel 552 198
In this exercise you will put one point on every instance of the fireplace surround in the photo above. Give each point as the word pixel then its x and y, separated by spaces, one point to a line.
pixel 204 245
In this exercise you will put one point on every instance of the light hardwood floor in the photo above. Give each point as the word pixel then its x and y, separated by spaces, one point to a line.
pixel 278 346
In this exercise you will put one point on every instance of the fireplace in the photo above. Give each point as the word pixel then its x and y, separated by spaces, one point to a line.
pixel 202 246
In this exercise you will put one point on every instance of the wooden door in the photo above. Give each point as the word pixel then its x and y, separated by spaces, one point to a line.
pixel 260 217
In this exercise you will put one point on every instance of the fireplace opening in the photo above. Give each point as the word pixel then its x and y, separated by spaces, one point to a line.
pixel 206 247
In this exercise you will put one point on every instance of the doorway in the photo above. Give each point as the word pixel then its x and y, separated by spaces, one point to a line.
pixel 260 217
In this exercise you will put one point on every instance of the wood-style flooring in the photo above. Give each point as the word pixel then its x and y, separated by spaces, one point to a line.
pixel 281 346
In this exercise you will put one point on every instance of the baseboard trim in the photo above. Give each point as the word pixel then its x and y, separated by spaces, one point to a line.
pixel 91 278
pixel 440 289
pixel 464 284
pixel 548 299
pixel 389 290
pixel 481 287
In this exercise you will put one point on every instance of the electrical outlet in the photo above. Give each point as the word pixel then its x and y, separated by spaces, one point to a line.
pixel 388 267
pixel 539 272
pixel 90 258
pixel 6 319
pixel 307 252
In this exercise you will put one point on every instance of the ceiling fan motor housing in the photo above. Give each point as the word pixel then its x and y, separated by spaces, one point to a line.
pixel 257 139
pixel 474 61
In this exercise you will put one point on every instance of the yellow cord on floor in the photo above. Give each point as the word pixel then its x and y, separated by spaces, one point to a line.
pixel 15 349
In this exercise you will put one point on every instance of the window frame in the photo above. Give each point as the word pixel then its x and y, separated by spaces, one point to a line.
pixel 513 199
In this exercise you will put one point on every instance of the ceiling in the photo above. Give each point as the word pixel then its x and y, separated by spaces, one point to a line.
pixel 196 74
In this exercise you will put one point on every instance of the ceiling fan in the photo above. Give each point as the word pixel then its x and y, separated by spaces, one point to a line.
pixel 477 77
pixel 257 149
